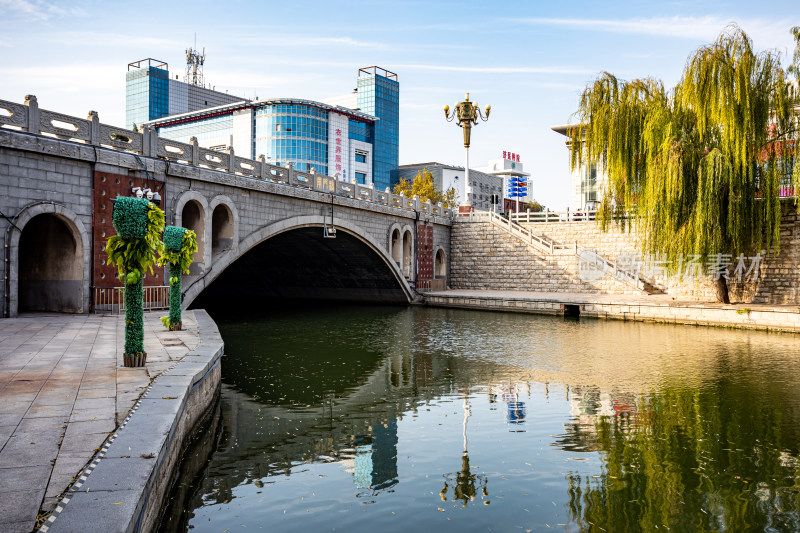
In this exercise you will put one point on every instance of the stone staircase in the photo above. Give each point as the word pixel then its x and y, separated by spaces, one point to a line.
pixel 486 255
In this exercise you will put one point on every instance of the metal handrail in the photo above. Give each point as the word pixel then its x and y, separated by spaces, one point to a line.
pixel 111 300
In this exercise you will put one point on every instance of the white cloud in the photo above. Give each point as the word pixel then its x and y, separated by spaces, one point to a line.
pixel 37 9
pixel 769 33
pixel 497 70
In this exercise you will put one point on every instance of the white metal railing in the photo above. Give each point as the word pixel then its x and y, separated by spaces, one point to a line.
pixel 547 245
pixel 29 118
pixel 539 242
pixel 548 216
pixel 111 300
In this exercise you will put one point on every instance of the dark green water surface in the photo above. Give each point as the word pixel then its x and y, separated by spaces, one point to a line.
pixel 388 419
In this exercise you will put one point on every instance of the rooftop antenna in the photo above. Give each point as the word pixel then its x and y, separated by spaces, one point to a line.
pixel 194 65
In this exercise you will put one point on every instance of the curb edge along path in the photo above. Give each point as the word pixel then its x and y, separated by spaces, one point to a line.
pixel 124 487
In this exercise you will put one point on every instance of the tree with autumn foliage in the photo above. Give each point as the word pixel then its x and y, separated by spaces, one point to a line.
pixel 424 186
pixel 700 167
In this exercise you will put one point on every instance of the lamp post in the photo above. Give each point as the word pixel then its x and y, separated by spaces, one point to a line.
pixel 467 114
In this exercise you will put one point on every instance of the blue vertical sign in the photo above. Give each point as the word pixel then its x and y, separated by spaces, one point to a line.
pixel 517 187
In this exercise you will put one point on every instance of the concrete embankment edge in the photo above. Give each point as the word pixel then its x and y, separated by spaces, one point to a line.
pixel 740 317
pixel 124 488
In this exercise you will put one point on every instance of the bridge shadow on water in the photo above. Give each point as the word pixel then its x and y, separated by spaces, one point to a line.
pixel 301 264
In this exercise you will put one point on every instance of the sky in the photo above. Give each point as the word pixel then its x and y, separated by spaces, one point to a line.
pixel 530 59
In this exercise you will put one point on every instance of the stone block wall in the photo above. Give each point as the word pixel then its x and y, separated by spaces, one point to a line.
pixel 485 257
pixel 35 184
pixel 778 280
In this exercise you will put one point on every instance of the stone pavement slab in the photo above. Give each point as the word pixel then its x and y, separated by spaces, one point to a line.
pixel 63 390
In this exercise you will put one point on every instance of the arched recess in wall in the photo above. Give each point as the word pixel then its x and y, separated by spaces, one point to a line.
pixel 439 265
pixel 49 261
pixel 190 213
pixel 408 253
pixel 224 226
pixel 396 246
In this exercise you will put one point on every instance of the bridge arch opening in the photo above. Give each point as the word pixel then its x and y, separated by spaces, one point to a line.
pixel 193 218
pixel 300 264
pixel 408 254
pixel 50 266
pixel 221 230
pixel 439 265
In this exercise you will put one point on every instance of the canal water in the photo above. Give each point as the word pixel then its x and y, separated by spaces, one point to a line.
pixel 362 418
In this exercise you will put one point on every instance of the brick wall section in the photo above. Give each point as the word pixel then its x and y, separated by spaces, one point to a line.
pixel 424 251
pixel 485 257
pixel 108 186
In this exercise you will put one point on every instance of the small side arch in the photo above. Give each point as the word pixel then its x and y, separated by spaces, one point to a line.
pixel 224 225
pixel 408 252
pixel 191 212
pixel 80 234
pixel 439 264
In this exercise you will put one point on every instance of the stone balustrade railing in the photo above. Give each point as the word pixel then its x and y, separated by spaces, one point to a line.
pixel 29 118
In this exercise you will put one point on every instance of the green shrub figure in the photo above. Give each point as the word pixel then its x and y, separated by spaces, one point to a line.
pixel 180 244
pixel 139 224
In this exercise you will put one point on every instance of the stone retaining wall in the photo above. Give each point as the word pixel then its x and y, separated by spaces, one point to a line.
pixel 787 320
pixel 486 258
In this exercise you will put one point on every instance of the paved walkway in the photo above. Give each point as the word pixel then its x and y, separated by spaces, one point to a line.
pixel 63 390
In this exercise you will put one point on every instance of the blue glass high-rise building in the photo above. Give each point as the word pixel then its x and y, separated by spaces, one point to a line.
pixel 379 96
pixel 146 91
pixel 152 93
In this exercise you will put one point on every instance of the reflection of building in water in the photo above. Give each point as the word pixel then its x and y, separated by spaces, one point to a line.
pixel 587 406
pixel 375 463
pixel 515 409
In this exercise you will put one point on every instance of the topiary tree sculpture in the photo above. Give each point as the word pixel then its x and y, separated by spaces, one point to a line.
pixel 139 224
pixel 180 244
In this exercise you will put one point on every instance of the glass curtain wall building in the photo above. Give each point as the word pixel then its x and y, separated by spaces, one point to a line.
pixel 353 137
pixel 293 133
pixel 152 93
pixel 379 96
pixel 146 91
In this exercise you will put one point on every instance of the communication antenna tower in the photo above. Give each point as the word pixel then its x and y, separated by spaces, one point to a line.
pixel 194 66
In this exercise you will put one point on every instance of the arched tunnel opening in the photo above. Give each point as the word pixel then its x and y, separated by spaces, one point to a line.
pixel 301 264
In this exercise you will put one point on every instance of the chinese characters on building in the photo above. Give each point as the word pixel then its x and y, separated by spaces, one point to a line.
pixel 337 150
pixel 511 156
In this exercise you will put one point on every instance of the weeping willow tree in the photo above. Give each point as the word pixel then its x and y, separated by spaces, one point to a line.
pixel 698 168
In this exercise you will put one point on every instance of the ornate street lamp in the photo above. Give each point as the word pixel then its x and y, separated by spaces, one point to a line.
pixel 467 114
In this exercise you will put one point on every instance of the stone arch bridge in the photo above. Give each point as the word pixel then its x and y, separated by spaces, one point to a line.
pixel 262 230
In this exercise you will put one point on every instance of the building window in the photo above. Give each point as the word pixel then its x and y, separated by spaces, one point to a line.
pixel 361 157
pixel 361 178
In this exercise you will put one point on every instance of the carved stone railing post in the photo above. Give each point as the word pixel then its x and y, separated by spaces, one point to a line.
pixel 195 155
pixel 94 127
pixel 34 120
pixel 263 169
pixel 148 150
pixel 231 159
pixel 290 173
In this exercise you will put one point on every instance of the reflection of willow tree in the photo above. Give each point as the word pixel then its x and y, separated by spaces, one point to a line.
pixel 692 463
